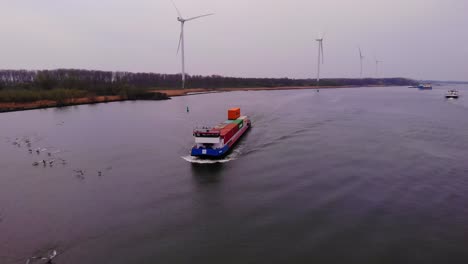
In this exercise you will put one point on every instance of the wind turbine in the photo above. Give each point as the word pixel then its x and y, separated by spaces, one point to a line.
pixel 181 46
pixel 377 67
pixel 361 59
pixel 320 57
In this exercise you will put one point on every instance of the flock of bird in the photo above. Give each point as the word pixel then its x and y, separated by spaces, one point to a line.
pixel 51 158
pixel 47 162
pixel 320 57
pixel 48 159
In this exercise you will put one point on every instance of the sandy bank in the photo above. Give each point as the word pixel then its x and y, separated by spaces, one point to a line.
pixel 180 92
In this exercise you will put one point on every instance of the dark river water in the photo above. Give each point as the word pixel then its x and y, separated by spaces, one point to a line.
pixel 365 175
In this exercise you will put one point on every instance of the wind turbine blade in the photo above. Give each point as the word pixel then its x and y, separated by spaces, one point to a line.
pixel 180 41
pixel 198 17
pixel 178 12
pixel 324 34
pixel 360 53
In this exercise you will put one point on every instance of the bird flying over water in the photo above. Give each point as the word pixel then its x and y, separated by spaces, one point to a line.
pixel 48 259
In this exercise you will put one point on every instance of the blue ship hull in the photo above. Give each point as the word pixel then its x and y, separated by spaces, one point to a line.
pixel 211 153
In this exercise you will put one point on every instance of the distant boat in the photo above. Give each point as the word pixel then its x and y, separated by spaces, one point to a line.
pixel 452 94
pixel 425 86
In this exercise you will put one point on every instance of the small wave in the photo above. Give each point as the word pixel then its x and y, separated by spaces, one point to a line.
pixel 232 156
pixel 196 160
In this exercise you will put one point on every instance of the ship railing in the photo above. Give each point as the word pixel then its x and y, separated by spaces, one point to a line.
pixel 205 131
pixel 203 128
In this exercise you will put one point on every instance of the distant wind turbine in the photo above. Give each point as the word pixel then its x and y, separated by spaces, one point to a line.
pixel 320 58
pixel 181 46
pixel 377 67
pixel 361 59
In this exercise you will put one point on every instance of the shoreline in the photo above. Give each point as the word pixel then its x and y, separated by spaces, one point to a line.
pixel 197 91
pixel 18 106
pixel 43 104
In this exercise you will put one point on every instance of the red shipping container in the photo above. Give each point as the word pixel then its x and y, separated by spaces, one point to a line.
pixel 228 128
pixel 229 131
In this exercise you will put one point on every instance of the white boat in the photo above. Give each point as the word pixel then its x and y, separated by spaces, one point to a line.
pixel 452 94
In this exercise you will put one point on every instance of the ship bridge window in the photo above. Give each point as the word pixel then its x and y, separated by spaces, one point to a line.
pixel 206 135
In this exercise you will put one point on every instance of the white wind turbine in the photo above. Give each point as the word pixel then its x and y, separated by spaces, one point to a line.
pixel 377 62
pixel 181 39
pixel 320 58
pixel 361 59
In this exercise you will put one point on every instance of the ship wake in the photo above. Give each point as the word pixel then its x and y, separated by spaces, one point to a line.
pixel 196 160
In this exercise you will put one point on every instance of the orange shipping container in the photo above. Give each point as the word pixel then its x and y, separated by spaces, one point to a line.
pixel 233 113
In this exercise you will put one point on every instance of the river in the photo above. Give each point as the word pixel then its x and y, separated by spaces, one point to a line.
pixel 354 175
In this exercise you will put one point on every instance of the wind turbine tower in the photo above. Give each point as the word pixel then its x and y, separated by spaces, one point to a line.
pixel 181 46
pixel 361 59
pixel 377 62
pixel 320 58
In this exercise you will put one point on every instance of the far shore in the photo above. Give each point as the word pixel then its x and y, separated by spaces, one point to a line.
pixel 19 106
pixel 194 91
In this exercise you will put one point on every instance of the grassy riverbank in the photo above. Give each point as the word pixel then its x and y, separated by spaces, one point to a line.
pixel 23 99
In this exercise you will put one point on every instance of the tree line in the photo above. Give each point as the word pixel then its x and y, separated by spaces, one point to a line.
pixel 112 83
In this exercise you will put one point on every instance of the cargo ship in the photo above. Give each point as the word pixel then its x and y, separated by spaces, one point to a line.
pixel 218 141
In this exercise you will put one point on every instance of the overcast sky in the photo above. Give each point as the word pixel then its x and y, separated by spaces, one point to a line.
pixel 422 39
